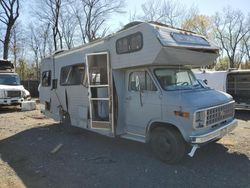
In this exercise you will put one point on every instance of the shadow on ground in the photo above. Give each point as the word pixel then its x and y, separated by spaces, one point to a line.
pixel 90 160
pixel 242 115
pixel 9 109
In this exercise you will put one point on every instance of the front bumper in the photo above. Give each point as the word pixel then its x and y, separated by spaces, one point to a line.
pixel 218 133
pixel 11 101
pixel 243 106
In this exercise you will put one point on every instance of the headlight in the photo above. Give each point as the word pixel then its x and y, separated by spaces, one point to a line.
pixel 200 119
pixel 2 94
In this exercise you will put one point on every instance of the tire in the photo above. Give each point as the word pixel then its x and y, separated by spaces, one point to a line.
pixel 168 145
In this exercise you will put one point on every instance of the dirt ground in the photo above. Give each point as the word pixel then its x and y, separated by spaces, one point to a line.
pixel 85 159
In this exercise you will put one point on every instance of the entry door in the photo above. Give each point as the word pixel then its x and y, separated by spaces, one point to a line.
pixel 100 91
pixel 143 102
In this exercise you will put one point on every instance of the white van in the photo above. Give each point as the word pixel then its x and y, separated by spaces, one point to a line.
pixel 11 91
pixel 233 82
pixel 135 84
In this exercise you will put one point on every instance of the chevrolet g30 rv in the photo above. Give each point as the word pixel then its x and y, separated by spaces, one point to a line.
pixel 135 84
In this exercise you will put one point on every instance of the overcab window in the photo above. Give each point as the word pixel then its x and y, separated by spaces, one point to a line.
pixel 130 43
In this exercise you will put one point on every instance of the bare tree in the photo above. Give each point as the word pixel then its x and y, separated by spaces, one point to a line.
pixel 36 47
pixel 173 12
pixel 39 41
pixel 68 24
pixel 246 42
pixel 133 16
pixel 165 11
pixel 96 13
pixel 152 11
pixel 49 12
pixel 77 8
pixel 246 46
pixel 9 12
pixel 230 29
pixel 16 42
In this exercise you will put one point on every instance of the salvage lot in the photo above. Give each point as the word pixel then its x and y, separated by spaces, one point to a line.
pixel 86 159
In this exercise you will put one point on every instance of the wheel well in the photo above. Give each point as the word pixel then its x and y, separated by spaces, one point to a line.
pixel 156 125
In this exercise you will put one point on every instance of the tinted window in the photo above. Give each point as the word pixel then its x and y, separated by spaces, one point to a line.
pixel 122 45
pixel 46 78
pixel 141 81
pixel 136 42
pixel 130 43
pixel 72 75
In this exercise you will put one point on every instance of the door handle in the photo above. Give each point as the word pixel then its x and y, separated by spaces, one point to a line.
pixel 128 98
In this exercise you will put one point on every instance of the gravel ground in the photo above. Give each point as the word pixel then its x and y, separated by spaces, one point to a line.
pixel 86 159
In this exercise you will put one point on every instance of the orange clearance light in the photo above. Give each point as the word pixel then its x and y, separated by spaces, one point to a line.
pixel 182 114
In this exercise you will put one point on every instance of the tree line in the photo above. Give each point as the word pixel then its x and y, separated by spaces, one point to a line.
pixel 65 24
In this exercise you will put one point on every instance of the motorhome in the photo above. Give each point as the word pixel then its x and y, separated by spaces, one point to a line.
pixel 11 91
pixel 136 84
pixel 234 82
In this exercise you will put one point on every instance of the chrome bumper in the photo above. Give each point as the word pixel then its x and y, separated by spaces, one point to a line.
pixel 218 133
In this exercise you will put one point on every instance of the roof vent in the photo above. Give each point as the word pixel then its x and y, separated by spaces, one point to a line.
pixel 131 24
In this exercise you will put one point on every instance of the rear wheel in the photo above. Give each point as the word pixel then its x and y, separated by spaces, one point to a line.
pixel 168 144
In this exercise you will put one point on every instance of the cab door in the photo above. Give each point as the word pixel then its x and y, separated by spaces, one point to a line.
pixel 143 101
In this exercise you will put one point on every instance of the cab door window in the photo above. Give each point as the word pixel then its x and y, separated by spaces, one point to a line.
pixel 141 81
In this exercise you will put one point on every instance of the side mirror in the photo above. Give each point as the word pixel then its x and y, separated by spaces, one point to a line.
pixel 205 81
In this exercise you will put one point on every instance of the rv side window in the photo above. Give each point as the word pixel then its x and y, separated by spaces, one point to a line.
pixel 46 78
pixel 72 75
pixel 141 81
pixel 130 43
pixel 136 42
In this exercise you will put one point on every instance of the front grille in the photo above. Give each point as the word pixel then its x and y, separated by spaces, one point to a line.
pixel 220 113
pixel 13 94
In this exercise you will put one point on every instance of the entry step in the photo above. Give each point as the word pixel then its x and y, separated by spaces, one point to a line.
pixel 135 137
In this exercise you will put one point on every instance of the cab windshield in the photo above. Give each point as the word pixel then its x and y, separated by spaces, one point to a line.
pixel 9 80
pixel 176 79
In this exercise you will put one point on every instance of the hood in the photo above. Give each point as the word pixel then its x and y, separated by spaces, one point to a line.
pixel 15 88
pixel 199 98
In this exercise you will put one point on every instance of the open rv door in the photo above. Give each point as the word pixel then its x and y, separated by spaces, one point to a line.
pixel 100 92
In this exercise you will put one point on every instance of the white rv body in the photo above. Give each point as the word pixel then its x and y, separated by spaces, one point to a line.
pixel 113 86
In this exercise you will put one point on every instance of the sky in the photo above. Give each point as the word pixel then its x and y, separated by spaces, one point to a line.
pixel 207 7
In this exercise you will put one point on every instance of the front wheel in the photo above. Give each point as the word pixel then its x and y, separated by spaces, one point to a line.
pixel 168 145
